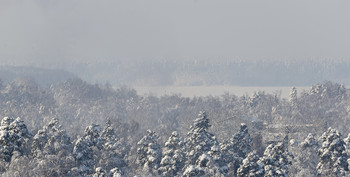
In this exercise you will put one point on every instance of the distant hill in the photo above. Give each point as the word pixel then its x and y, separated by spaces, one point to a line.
pixel 44 77
pixel 246 73
pixel 269 73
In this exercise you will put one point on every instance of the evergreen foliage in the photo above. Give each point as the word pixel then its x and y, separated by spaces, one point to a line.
pixel 112 154
pixel 203 151
pixel 149 152
pixel 333 156
pixel 306 156
pixel 174 158
pixel 276 160
pixel 51 140
pixel 251 166
pixel 14 137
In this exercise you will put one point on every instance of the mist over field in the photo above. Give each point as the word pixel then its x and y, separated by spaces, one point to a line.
pixel 193 88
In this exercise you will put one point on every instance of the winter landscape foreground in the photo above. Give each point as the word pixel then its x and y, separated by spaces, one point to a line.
pixel 74 128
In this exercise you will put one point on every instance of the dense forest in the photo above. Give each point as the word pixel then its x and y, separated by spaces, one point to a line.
pixel 74 128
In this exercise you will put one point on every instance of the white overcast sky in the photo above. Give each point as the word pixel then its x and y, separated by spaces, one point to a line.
pixel 37 31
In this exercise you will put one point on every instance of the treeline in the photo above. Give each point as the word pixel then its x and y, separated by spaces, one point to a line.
pixel 236 72
pixel 51 139
pixel 44 77
pixel 100 153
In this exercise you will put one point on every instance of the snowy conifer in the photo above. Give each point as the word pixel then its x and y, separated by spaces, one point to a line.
pixel 52 150
pixel 242 142
pixel 173 159
pixel 251 167
pixel 235 150
pixel 100 172
pixel 84 149
pixel 210 165
pixel 310 142
pixel 203 147
pixel 199 140
pixel 149 152
pixel 115 172
pixel 92 136
pixel 347 140
pixel 347 143
pixel 276 160
pixel 83 155
pixel 306 157
pixel 293 98
pixel 194 171
pixel 51 140
pixel 333 156
pixel 218 159
pixel 14 137
pixel 109 137
pixel 112 154
pixel 98 147
pixel 230 158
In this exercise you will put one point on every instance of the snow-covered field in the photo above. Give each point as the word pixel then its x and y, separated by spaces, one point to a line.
pixel 192 91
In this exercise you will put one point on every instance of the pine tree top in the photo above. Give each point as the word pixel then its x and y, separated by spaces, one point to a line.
pixel 201 123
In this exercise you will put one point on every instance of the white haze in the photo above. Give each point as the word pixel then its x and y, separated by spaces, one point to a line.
pixel 48 32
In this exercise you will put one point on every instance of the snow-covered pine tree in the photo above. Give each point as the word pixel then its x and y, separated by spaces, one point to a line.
pixel 92 136
pixel 109 137
pixel 254 99
pixel 83 151
pixel 229 158
pixel 112 155
pixel 242 142
pixel 149 152
pixel 306 159
pixel 203 150
pixel 98 147
pixel 333 156
pixel 14 142
pixel 276 160
pixel 199 140
pixel 194 171
pixel 174 158
pixel 293 97
pixel 251 167
pixel 235 150
pixel 51 149
pixel 115 172
pixel 310 142
pixel 217 157
pixel 14 137
pixel 100 172
pixel 347 143
pixel 84 158
pixel 51 140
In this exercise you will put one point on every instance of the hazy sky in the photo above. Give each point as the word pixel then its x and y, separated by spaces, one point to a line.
pixel 42 31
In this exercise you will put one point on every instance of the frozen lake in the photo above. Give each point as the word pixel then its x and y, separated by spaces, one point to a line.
pixel 192 91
